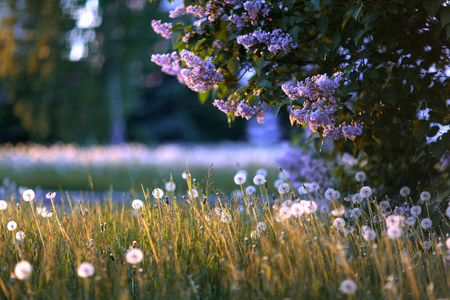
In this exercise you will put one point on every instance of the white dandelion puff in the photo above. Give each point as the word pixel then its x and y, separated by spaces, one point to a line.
pixel 426 223
pixel 259 179
pixel 411 221
pixel 306 188
pixel 284 213
pixel 28 195
pixel 240 178
pixel 405 191
pixel 23 270
pixel 447 211
pixel 194 193
pixel 217 210
pixel 3 204
pixel 11 226
pixel 369 235
pixel 309 206
pixel 356 212
pixel 283 188
pixel 348 287
pixel 384 205
pixel 427 245
pixel 158 193
pixel 360 176
pixel 137 204
pixel 447 243
pixel 339 211
pixel 395 221
pixel 250 190
pixel 50 195
pixel 261 226
pixel 242 172
pixel 336 195
pixel 297 209
pixel 255 234
pixel 262 172
pixel 425 196
pixel 170 186
pixel 416 210
pixel 20 235
pixel 357 198
pixel 329 194
pixel 225 217
pixel 134 256
pixel 185 175
pixel 339 223
pixel 365 192
pixel 85 270
pixel 394 232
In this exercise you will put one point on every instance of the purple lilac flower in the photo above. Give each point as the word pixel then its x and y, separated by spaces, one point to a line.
pixel 240 109
pixel 164 29
pixel 177 12
pixel 224 106
pixel 276 40
pixel 170 63
pixel 219 44
pixel 196 10
pixel 240 21
pixel 203 76
pixel 352 131
pixel 245 111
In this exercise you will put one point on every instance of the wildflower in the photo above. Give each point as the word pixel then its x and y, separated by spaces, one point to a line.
pixel 416 210
pixel 348 287
pixel 411 221
pixel 384 205
pixel 259 179
pixel 158 193
pixel 297 210
pixel 11 226
pixel 338 211
pixel 365 192
pixel 134 256
pixel 137 204
pixel 369 235
pixel 23 270
pixel 85 270
pixel 261 226
pixel 255 234
pixel 250 190
pixel 425 196
pixel 405 191
pixel 225 217
pixel 339 223
pixel 262 172
pixel 283 188
pixel 360 176
pixel 50 195
pixel 399 211
pixel 357 198
pixel 170 186
pixel 240 179
pixel 177 12
pixel 28 195
pixel 309 206
pixel 20 235
pixel 426 245
pixel 394 232
pixel 3 204
pixel 426 223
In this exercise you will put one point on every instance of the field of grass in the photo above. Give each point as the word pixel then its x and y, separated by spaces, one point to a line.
pixel 224 247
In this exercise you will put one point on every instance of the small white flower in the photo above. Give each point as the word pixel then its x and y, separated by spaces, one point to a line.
pixel 240 179
pixel 225 217
pixel 259 180
pixel 194 193
pixel 339 223
pixel 20 235
pixel 365 192
pixel 283 188
pixel 262 172
pixel 427 245
pixel 134 256
pixel 405 191
pixel 394 232
pixel 348 287
pixel 384 205
pixel 137 204
pixel 340 211
pixel 170 186
pixel 426 223
pixel 158 193
pixel 297 209
pixel 416 210
pixel 11 226
pixel 255 234
pixel 28 195
pixel 329 194
pixel 23 270
pixel 360 176
pixel 369 235
pixel 425 196
pixel 357 198
pixel 85 270
pixel 261 226
pixel 50 195
pixel 309 206
pixel 3 204
pixel 250 190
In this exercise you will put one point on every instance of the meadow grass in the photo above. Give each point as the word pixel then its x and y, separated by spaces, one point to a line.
pixel 217 247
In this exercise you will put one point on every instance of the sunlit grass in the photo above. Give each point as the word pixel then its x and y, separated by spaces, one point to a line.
pixel 194 249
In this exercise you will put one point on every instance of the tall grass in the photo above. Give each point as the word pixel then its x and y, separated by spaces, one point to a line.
pixel 192 252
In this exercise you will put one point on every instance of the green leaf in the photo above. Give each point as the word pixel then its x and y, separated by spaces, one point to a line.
pixel 431 6
pixel 445 17
pixel 322 50
pixel 336 38
pixel 420 128
pixel 240 90
pixel 373 74
pixel 264 83
pixel 301 18
pixel 310 136
pixel 318 142
pixel 322 24
pixel 358 35
pixel 356 11
pixel 316 4
pixel 175 37
pixel 388 96
pixel 293 32
pixel 203 97
pixel 233 66
pixel 199 44
pixel 437 148
pixel 276 108
pixel 433 131
pixel 258 65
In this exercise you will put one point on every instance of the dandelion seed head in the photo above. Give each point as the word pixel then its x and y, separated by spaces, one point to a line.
pixel 11 226
pixel 447 243
pixel 3 204
pixel 425 196
pixel 137 204
pixel 217 210
pixel 356 212
pixel 185 175
pixel 255 234
pixel 357 198
pixel 134 256
pixel 240 178
pixel 309 206
pixel 339 223
pixel 365 192
pixel 194 193
pixel 261 226
pixel 447 211
pixel 284 213
pixel 340 211
pixel 426 223
pixel 225 217
pixel 170 186
pixel 394 232
pixel 250 190
pixel 262 172
pixel 384 205
pixel 416 210
pixel 50 195
pixel 395 221
pixel 283 188
pixel 369 235
pixel 360 176
pixel 348 287
pixel 411 221
pixel 259 179
pixel 158 193
pixel 28 195
pixel 20 235
pixel 277 183
pixel 329 194
pixel 426 245
pixel 405 191
pixel 85 270
pixel 23 270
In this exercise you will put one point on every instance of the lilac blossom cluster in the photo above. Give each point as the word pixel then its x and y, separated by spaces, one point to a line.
pixel 240 109
pixel 202 75
pixel 320 106
pixel 277 40
pixel 211 10
pixel 164 29
pixel 253 10
pixel 177 12
pixel 170 64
